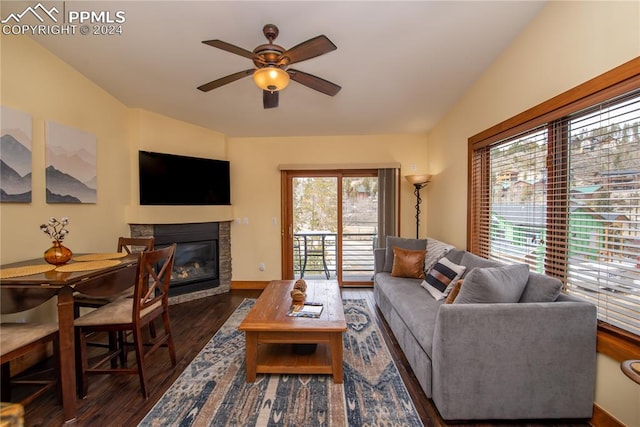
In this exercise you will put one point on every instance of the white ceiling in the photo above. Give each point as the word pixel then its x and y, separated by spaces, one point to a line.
pixel 401 65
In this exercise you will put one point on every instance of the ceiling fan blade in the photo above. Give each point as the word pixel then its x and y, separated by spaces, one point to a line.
pixel 229 48
pixel 313 82
pixel 306 50
pixel 225 80
pixel 270 99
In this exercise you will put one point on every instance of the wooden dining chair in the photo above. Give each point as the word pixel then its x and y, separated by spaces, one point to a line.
pixel 20 339
pixel 150 301
pixel 125 244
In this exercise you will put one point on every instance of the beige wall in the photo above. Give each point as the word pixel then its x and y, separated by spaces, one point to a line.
pixel 36 82
pixel 154 132
pixel 255 190
pixel 40 84
pixel 616 393
pixel 567 44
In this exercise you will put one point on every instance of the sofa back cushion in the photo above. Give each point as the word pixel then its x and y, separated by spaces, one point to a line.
pixel 494 284
pixel 472 261
pixel 541 288
pixel 435 251
pixel 400 242
pixel 455 255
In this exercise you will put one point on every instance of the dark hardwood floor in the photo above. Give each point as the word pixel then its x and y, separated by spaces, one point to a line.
pixel 115 400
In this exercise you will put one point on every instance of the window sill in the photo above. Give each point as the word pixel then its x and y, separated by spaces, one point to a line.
pixel 616 343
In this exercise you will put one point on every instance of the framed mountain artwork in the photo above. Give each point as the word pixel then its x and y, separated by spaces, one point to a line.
pixel 15 156
pixel 71 172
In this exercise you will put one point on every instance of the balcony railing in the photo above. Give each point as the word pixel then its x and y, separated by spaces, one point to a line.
pixel 315 255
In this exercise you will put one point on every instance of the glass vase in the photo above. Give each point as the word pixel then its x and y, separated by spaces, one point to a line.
pixel 57 254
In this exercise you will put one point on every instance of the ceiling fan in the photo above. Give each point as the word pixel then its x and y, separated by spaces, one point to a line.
pixel 272 61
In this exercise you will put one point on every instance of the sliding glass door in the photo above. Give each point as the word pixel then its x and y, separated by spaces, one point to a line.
pixel 331 222
pixel 315 227
pixel 359 227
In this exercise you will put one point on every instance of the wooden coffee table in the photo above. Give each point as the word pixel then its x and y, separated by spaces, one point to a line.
pixel 271 334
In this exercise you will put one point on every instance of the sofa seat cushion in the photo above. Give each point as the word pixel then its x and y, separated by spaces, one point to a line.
pixel 413 304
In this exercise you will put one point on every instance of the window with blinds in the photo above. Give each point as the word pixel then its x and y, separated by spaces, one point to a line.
pixel 561 193
pixel 603 263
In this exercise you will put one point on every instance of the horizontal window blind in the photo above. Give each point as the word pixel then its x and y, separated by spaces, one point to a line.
pixel 563 196
pixel 517 198
pixel 604 215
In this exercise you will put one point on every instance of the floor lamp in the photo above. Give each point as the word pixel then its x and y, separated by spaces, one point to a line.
pixel 418 182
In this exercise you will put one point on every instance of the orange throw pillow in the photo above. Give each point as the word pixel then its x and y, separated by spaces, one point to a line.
pixel 454 292
pixel 408 263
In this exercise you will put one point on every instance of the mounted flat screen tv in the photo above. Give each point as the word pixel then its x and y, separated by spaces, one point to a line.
pixel 169 179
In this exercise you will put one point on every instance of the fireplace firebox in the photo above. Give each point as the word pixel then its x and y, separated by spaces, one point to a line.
pixel 195 265
pixel 202 261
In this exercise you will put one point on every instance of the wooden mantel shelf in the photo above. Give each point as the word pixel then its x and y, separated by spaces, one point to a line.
pixel 177 214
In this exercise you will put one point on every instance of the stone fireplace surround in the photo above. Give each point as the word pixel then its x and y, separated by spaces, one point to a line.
pixel 224 260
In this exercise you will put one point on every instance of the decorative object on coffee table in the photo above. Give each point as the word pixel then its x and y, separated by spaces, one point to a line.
pixel 306 309
pixel 298 292
pixel 297 296
pixel 300 284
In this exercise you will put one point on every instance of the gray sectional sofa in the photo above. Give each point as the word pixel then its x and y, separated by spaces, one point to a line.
pixel 530 359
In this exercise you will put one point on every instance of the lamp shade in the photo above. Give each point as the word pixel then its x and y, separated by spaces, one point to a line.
pixel 418 179
pixel 271 78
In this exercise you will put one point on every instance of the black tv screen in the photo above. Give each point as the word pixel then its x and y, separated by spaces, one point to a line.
pixel 169 179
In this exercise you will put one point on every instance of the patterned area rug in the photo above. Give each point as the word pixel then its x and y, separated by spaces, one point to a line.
pixel 212 390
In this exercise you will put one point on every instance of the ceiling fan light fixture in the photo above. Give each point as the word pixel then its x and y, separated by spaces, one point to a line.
pixel 271 78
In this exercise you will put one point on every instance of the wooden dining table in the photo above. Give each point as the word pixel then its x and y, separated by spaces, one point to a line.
pixel 24 292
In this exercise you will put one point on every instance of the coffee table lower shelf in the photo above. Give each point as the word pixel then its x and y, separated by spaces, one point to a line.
pixel 280 358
